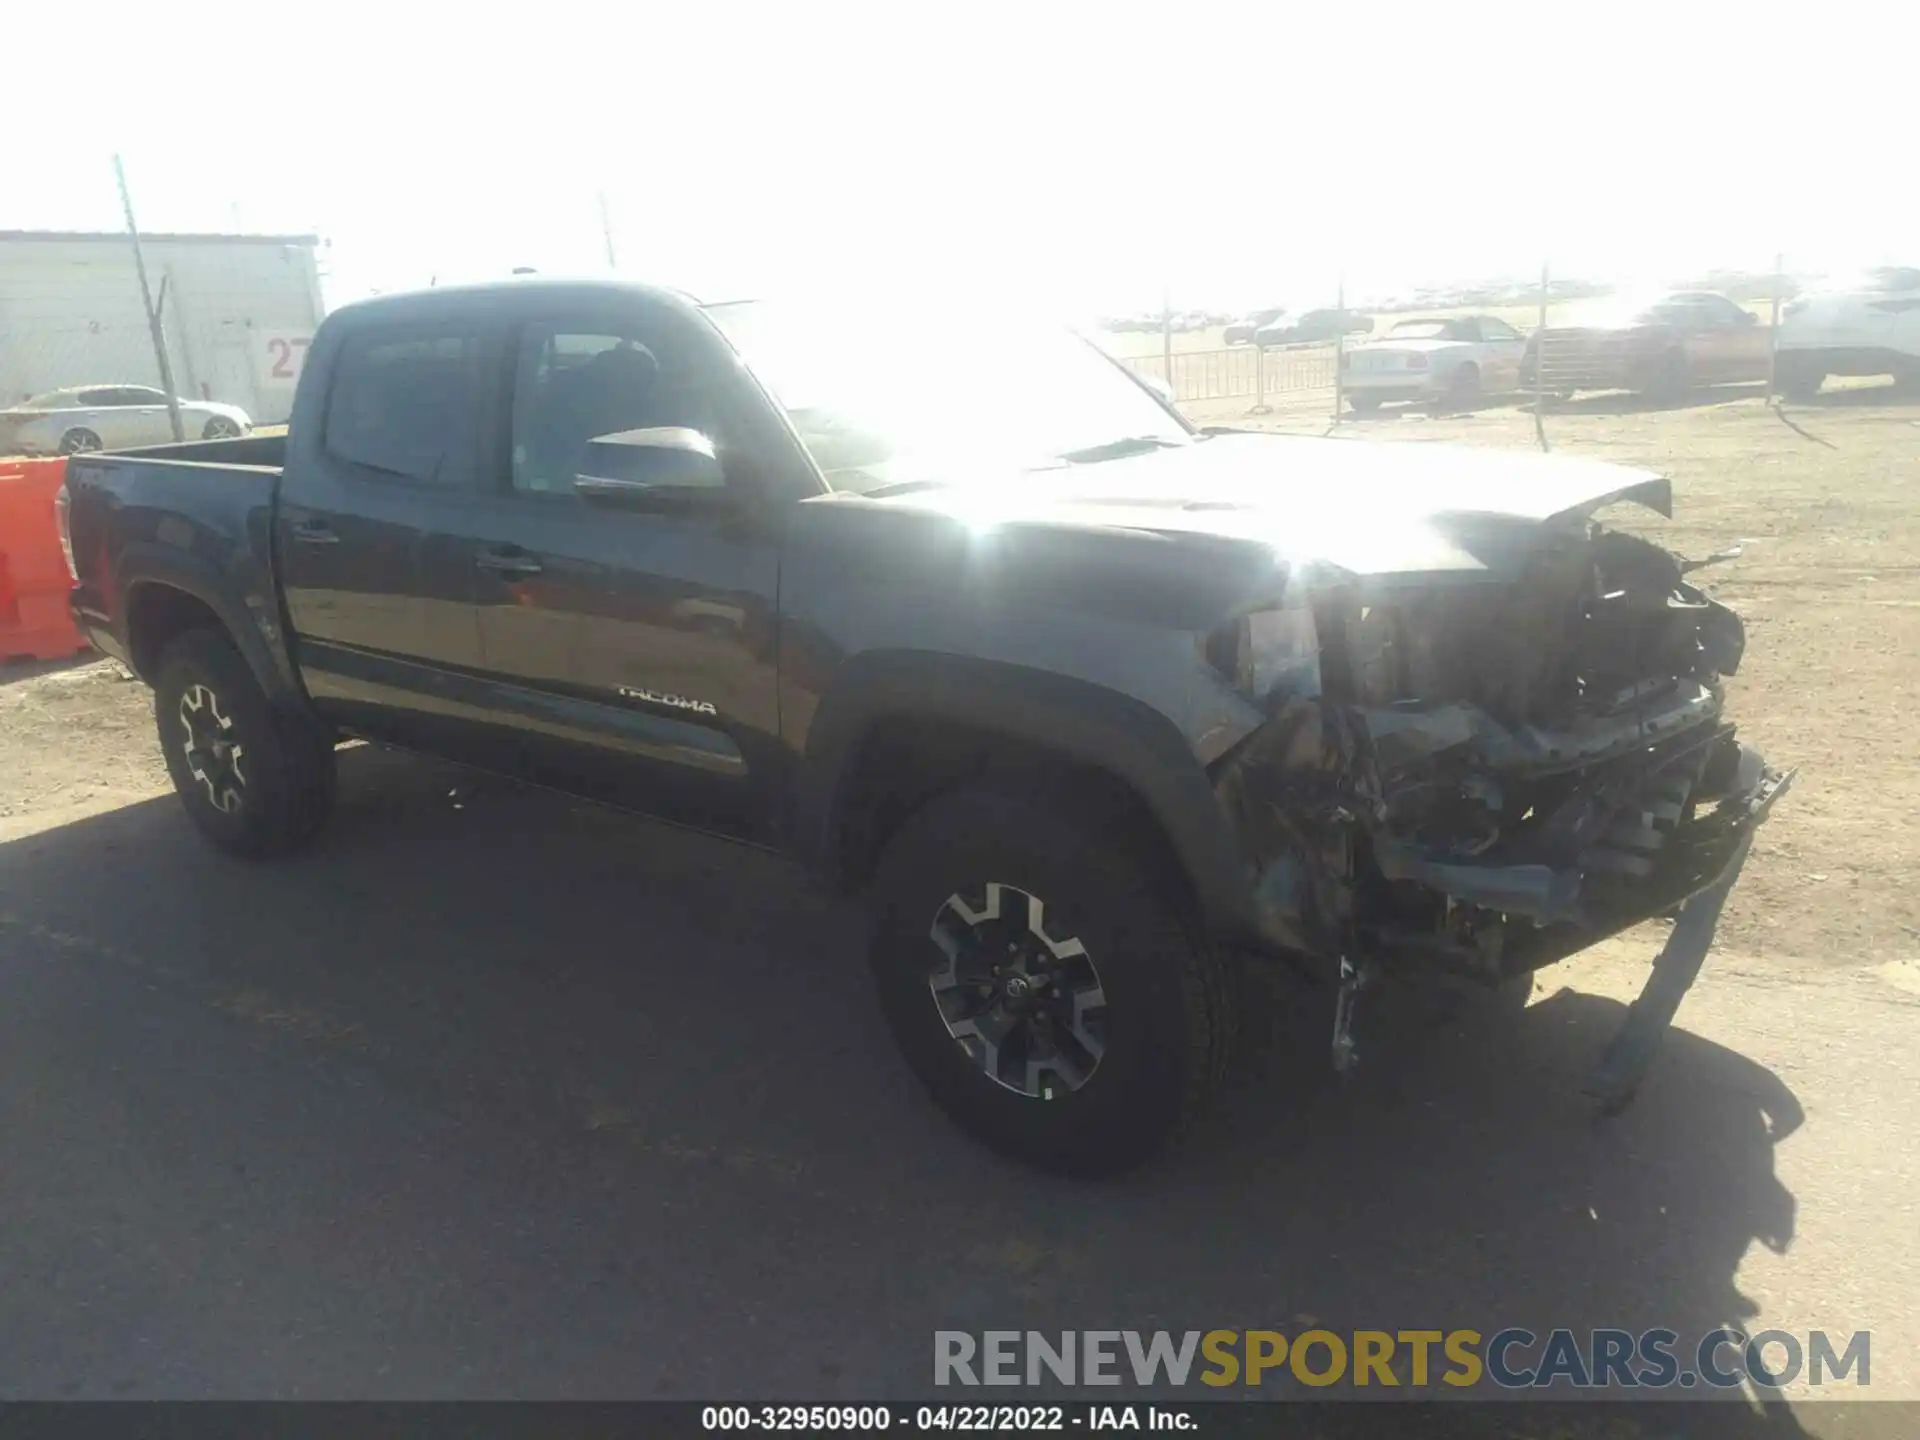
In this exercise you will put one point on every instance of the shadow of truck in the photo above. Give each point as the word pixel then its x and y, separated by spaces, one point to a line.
pixel 515 1096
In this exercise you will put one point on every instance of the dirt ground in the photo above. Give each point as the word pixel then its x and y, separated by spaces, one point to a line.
pixel 74 739
pixel 1829 585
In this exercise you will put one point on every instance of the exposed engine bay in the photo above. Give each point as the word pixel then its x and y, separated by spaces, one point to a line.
pixel 1484 778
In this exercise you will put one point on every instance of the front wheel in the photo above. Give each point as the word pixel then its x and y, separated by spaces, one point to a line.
pixel 1362 402
pixel 254 781
pixel 220 428
pixel 1043 985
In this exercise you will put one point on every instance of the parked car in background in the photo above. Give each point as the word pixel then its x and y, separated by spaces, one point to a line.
pixel 109 417
pixel 1242 331
pixel 1314 327
pixel 1867 325
pixel 1664 349
pixel 1450 361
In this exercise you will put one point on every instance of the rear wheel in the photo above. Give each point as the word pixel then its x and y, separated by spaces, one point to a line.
pixel 1363 403
pixel 78 441
pixel 1042 983
pixel 220 428
pixel 256 782
pixel 1463 390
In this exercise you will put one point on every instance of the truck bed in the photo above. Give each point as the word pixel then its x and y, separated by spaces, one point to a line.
pixel 253 451
pixel 196 518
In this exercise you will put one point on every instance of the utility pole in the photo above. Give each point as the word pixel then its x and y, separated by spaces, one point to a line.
pixel 1166 334
pixel 606 232
pixel 153 313
pixel 1339 352
pixel 1773 329
pixel 1540 360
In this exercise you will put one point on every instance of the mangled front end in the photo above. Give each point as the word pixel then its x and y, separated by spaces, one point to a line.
pixel 1485 774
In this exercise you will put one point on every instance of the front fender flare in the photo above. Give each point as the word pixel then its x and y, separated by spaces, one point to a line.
pixel 1083 722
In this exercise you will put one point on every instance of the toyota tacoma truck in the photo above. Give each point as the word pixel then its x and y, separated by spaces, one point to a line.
pixel 1095 709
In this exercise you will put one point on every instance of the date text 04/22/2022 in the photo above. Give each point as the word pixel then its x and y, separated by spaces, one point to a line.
pixel 989 1419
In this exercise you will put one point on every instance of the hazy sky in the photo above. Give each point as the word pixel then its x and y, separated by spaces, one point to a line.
pixel 1084 153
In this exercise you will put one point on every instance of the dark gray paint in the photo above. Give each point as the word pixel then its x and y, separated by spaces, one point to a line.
pixel 1067 608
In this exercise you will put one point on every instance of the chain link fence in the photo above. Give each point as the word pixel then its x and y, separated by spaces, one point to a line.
pixel 62 358
pixel 1562 352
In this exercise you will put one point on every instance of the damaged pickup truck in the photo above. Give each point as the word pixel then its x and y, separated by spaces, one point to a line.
pixel 1093 708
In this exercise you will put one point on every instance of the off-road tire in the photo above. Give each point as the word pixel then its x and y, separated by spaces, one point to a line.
pixel 286 763
pixel 1170 997
pixel 1797 380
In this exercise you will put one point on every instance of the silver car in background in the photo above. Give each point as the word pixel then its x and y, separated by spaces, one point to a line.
pixel 1453 360
pixel 110 417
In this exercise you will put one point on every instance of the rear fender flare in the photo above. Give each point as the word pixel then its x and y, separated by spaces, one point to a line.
pixel 147 565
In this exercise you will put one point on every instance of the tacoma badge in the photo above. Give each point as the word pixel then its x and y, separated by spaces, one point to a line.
pixel 675 702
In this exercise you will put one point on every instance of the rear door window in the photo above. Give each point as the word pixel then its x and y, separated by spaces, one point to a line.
pixel 403 404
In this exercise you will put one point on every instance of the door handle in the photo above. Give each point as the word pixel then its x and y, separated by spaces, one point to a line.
pixel 314 532
pixel 508 564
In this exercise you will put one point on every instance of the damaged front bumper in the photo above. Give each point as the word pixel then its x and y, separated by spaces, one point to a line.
pixel 1426 840
pixel 1662 829
pixel 1352 849
pixel 1617 1077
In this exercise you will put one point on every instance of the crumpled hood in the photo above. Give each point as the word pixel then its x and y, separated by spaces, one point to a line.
pixel 1367 508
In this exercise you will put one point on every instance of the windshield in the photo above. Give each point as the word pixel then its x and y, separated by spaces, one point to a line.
pixel 880 404
pixel 50 400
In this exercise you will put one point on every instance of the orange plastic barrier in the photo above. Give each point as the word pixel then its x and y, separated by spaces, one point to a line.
pixel 34 583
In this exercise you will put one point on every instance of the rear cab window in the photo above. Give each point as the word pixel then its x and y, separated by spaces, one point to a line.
pixel 402 403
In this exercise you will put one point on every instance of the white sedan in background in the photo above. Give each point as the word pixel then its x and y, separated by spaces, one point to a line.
pixel 110 417
pixel 1869 325
pixel 1452 361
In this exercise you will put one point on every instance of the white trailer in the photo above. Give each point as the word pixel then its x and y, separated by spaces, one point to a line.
pixel 239 312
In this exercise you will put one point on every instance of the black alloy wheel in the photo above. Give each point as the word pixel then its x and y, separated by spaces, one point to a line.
pixel 1026 1006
